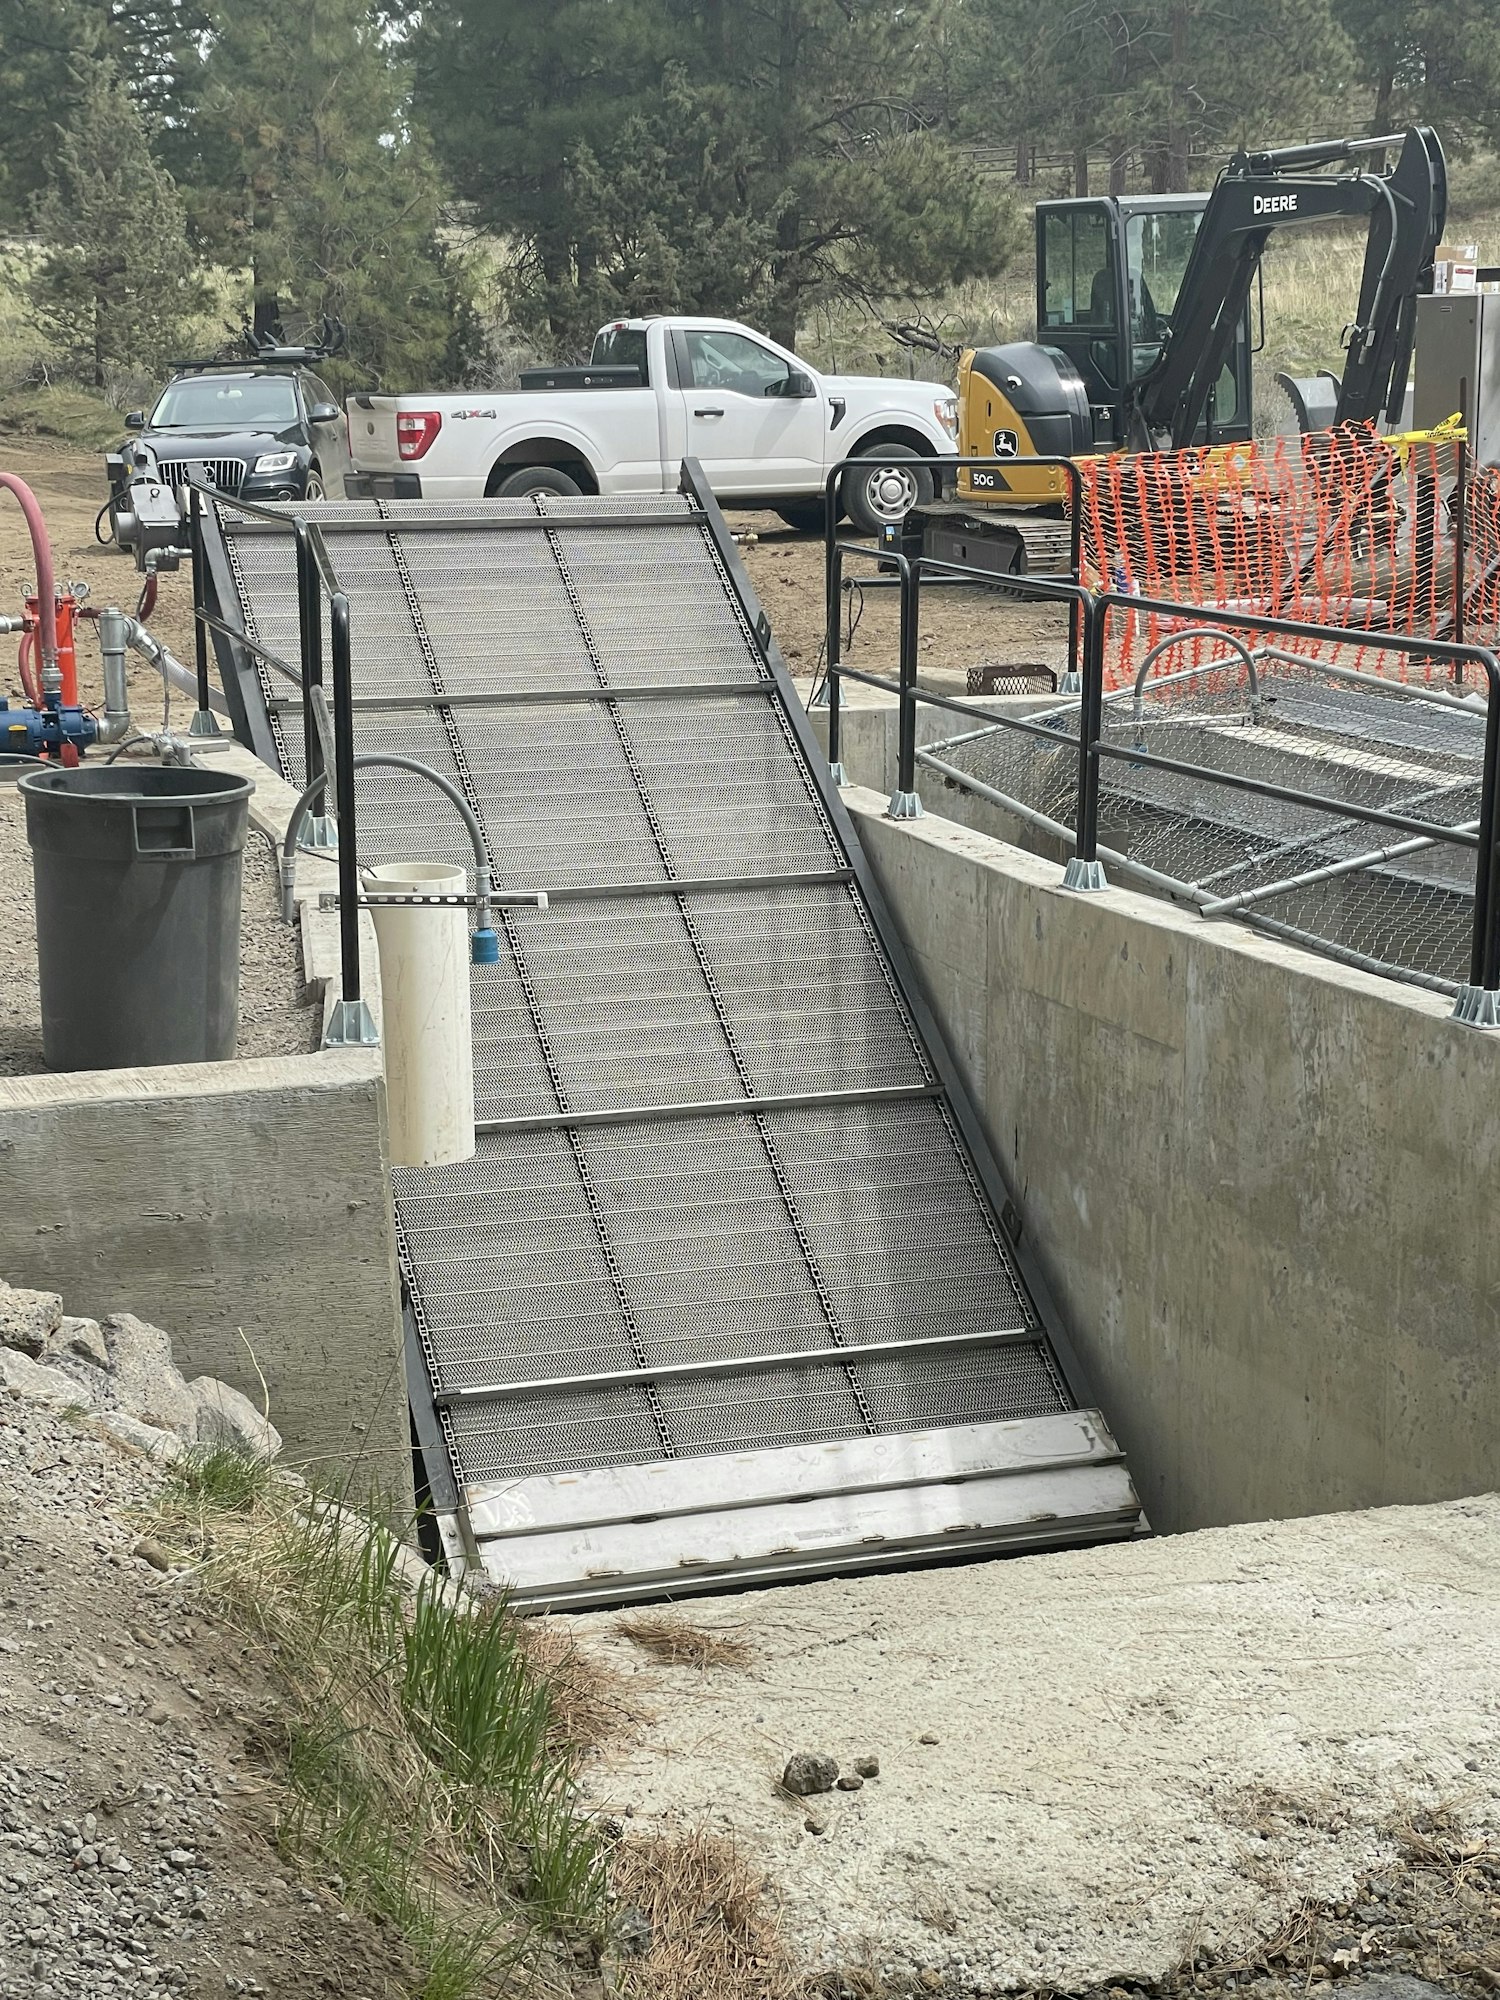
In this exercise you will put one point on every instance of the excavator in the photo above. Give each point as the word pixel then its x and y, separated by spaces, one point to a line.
pixel 1144 316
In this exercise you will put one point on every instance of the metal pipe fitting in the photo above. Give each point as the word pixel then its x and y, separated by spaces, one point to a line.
pixel 114 636
pixel 484 944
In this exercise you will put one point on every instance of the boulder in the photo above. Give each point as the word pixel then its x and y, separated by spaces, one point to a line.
pixel 225 1417
pixel 154 1442
pixel 77 1340
pixel 27 1378
pixel 27 1318
pixel 143 1380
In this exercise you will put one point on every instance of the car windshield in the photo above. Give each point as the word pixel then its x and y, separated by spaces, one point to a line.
pixel 227 403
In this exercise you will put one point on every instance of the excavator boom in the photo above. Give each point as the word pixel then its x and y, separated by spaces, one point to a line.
pixel 1262 192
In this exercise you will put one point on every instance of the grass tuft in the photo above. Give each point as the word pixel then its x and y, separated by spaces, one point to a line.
pixel 677 1642
pixel 418 1737
pixel 220 1477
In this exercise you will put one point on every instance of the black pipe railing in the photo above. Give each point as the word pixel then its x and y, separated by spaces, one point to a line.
pixel 315 576
pixel 1089 624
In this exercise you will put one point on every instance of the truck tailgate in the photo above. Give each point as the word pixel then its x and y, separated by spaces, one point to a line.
pixel 372 432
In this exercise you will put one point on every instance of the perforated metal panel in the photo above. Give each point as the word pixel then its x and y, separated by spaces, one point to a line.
pixel 711 1132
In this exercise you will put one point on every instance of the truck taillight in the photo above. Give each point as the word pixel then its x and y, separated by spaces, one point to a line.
pixel 415 430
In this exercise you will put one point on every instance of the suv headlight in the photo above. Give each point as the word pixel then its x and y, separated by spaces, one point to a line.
pixel 945 409
pixel 276 461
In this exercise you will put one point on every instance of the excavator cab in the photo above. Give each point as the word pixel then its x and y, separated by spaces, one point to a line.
pixel 1108 272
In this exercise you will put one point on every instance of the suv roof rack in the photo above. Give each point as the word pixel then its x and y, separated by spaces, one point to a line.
pixel 262 352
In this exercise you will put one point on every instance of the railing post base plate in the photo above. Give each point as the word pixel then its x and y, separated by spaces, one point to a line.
pixel 1080 874
pixel 350 1026
pixel 204 723
pixel 904 805
pixel 1070 684
pixel 836 772
pixel 1477 1007
pixel 320 831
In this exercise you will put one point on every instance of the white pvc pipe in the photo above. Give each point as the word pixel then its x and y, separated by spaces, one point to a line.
pixel 428 1033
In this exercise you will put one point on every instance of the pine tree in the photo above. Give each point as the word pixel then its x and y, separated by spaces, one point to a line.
pixel 689 155
pixel 306 170
pixel 118 279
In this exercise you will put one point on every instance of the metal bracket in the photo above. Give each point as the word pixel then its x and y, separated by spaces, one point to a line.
pixel 1477 1007
pixel 1070 684
pixel 1080 874
pixel 320 832
pixel 836 772
pixel 350 1026
pixel 204 723
pixel 904 805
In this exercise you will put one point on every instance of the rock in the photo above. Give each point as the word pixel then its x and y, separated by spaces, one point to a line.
pixel 156 1443
pixel 27 1318
pixel 79 1340
pixel 143 1378
pixel 867 1767
pixel 809 1772
pixel 225 1417
pixel 29 1379
pixel 851 1784
pixel 927 1737
pixel 816 1822
pixel 633 1933
pixel 151 1551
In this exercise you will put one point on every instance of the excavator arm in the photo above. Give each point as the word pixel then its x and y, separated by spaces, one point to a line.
pixel 1261 192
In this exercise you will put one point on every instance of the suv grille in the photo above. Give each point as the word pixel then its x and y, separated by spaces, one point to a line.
pixel 225 473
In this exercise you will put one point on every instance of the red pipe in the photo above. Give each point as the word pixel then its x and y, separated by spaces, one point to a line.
pixel 46 586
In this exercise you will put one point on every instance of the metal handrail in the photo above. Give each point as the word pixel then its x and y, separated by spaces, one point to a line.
pixel 1091 611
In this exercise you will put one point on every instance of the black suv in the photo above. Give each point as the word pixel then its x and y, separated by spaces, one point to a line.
pixel 266 429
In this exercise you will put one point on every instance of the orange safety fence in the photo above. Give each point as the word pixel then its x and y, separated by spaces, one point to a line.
pixel 1340 528
pixel 1482 603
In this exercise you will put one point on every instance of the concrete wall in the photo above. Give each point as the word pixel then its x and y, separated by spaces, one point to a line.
pixel 243 1206
pixel 1262 1186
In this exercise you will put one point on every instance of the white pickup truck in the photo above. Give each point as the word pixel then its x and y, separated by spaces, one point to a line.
pixel 765 427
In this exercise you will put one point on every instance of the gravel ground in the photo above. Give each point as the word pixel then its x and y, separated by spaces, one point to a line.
pixel 277 1014
pixel 136 1823
pixel 1093 1765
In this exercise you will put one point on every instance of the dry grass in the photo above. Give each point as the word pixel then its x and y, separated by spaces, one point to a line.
pixel 711 1936
pixel 587 1696
pixel 676 1642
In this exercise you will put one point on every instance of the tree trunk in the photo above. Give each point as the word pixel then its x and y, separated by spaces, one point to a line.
pixel 101 310
pixel 1080 170
pixel 1177 125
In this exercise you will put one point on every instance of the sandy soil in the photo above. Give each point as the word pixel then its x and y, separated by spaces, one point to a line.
pixel 1092 1765
pixel 960 627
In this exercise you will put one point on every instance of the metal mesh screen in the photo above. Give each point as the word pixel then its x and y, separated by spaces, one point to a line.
pixel 572 1247
pixel 1396 901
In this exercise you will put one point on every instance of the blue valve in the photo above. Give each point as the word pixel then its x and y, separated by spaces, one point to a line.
pixel 484 947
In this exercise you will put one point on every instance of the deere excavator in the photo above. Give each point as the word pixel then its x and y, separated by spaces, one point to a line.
pixel 1144 317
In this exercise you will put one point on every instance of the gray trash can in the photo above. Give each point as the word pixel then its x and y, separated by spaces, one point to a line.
pixel 138 872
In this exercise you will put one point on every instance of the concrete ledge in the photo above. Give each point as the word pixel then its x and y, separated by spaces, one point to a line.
pixel 243 1206
pixel 869 723
pixel 1261 1185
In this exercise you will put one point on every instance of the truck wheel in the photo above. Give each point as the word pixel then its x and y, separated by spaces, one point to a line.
pixel 532 479
pixel 875 496
pixel 806 516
